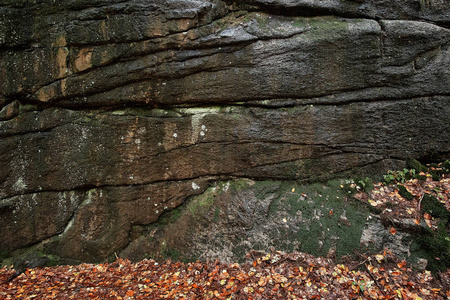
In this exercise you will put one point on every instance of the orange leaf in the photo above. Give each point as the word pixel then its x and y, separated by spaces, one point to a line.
pixel 393 231
pixel 130 293
pixel 427 216
pixel 262 281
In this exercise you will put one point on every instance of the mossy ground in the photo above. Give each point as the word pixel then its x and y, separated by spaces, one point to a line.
pixel 325 218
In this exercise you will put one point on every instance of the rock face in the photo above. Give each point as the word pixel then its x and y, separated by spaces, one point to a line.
pixel 115 112
pixel 232 218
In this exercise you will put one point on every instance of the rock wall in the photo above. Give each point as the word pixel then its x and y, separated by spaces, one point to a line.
pixel 114 112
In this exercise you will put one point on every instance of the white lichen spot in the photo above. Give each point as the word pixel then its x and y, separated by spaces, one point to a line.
pixel 202 133
pixel 175 135
pixel 84 133
pixel 156 204
pixel 148 198
pixel 195 186
pixel 89 196
pixel 159 144
pixel 157 211
pixel 68 227
pixel 137 141
pixel 131 177
pixel 20 184
pixel 226 186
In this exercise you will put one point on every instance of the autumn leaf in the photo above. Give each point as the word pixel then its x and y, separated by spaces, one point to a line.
pixel 393 231
pixel 262 281
pixel 379 257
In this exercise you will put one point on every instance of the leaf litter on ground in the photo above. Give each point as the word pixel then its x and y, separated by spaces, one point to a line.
pixel 274 275
pixel 400 210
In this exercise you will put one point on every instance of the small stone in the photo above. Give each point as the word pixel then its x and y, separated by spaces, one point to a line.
pixel 421 264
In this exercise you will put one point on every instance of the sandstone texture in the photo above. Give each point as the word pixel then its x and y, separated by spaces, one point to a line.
pixel 115 112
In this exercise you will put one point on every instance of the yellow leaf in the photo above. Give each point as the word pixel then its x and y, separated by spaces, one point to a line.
pixel 379 257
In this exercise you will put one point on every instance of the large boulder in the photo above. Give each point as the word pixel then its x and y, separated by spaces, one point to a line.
pixel 115 112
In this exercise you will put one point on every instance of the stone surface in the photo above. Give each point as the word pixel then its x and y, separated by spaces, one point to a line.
pixel 114 112
pixel 231 218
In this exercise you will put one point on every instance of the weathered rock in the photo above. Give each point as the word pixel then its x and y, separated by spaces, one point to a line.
pixel 114 112
pixel 436 11
pixel 234 217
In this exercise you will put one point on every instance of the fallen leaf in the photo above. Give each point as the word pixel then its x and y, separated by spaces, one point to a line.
pixel 379 257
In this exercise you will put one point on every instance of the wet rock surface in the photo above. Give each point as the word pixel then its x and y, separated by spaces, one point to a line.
pixel 115 112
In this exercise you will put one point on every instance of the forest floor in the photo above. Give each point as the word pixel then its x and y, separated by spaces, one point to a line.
pixel 274 275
